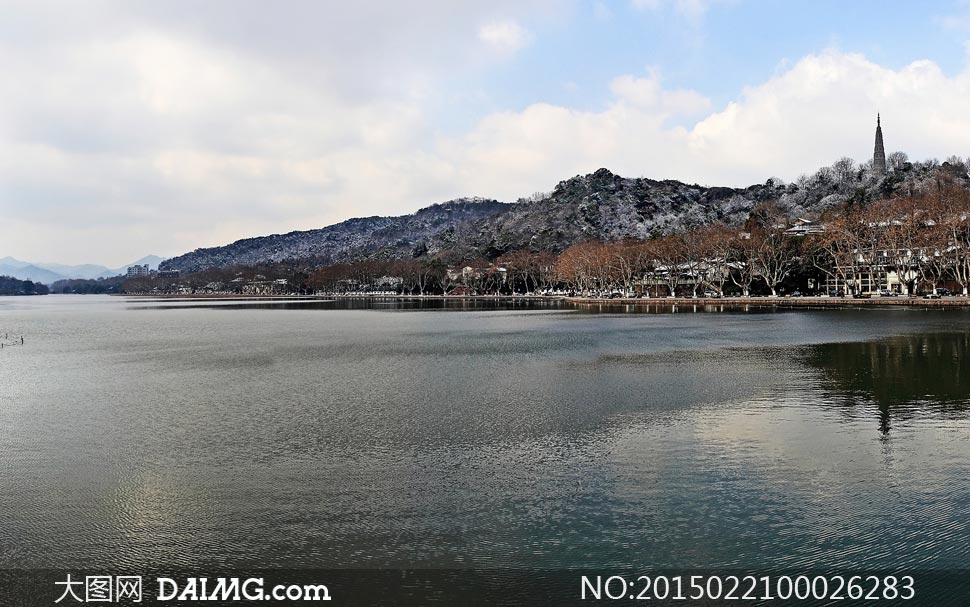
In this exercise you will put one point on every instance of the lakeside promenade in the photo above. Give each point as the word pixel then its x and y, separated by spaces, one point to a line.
pixel 729 302
pixel 781 302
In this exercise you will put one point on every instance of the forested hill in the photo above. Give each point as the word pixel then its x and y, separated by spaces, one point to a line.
pixel 13 286
pixel 600 205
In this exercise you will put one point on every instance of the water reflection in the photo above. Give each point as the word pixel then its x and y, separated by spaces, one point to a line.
pixel 350 438
pixel 900 376
pixel 375 303
pixel 438 303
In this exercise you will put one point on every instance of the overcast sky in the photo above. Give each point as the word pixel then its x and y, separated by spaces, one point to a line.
pixel 129 128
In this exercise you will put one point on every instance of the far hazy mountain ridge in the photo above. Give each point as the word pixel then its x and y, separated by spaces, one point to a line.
pixel 47 273
pixel 88 270
pixel 22 270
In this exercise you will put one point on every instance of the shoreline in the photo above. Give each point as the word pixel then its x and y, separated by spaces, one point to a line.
pixel 732 302
pixel 782 302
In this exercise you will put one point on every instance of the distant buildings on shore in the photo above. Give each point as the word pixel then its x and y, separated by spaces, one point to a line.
pixel 137 270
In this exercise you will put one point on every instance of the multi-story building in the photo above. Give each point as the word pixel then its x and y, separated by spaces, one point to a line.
pixel 137 270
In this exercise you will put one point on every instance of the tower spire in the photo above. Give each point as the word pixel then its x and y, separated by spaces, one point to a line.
pixel 879 152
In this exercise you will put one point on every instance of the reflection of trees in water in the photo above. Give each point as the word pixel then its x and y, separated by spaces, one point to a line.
pixel 900 375
pixel 363 303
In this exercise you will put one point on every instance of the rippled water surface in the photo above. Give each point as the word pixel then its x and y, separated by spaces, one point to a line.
pixel 137 432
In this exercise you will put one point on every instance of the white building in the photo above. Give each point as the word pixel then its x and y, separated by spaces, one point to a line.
pixel 137 270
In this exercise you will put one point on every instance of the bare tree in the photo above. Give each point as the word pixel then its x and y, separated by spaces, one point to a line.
pixel 902 224
pixel 897 161
pixel 717 241
pixel 948 230
pixel 776 256
pixel 845 171
pixel 833 253
pixel 744 254
pixel 584 266
pixel 668 255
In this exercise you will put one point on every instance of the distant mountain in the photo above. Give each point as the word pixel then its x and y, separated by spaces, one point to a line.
pixel 605 206
pixel 441 226
pixel 25 271
pixel 80 271
pixel 47 273
pixel 10 262
pixel 600 205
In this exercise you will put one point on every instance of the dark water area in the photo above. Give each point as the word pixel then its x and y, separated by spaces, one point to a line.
pixel 481 435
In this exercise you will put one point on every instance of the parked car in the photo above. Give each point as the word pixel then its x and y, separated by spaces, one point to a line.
pixel 932 295
pixel 864 295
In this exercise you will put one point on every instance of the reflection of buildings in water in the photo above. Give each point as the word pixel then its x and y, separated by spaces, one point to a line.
pixel 901 375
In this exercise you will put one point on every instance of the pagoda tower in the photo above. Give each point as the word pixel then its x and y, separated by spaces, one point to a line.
pixel 879 153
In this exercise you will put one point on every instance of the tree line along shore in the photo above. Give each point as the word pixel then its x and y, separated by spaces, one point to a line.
pixel 713 302
pixel 14 286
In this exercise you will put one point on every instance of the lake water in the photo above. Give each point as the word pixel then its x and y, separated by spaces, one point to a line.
pixel 140 432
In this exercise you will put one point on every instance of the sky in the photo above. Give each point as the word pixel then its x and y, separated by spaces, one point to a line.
pixel 133 127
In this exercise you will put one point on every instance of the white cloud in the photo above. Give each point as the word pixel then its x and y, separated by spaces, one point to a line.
pixel 505 37
pixel 692 9
pixel 822 108
pixel 165 129
pixel 826 103
pixel 648 94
